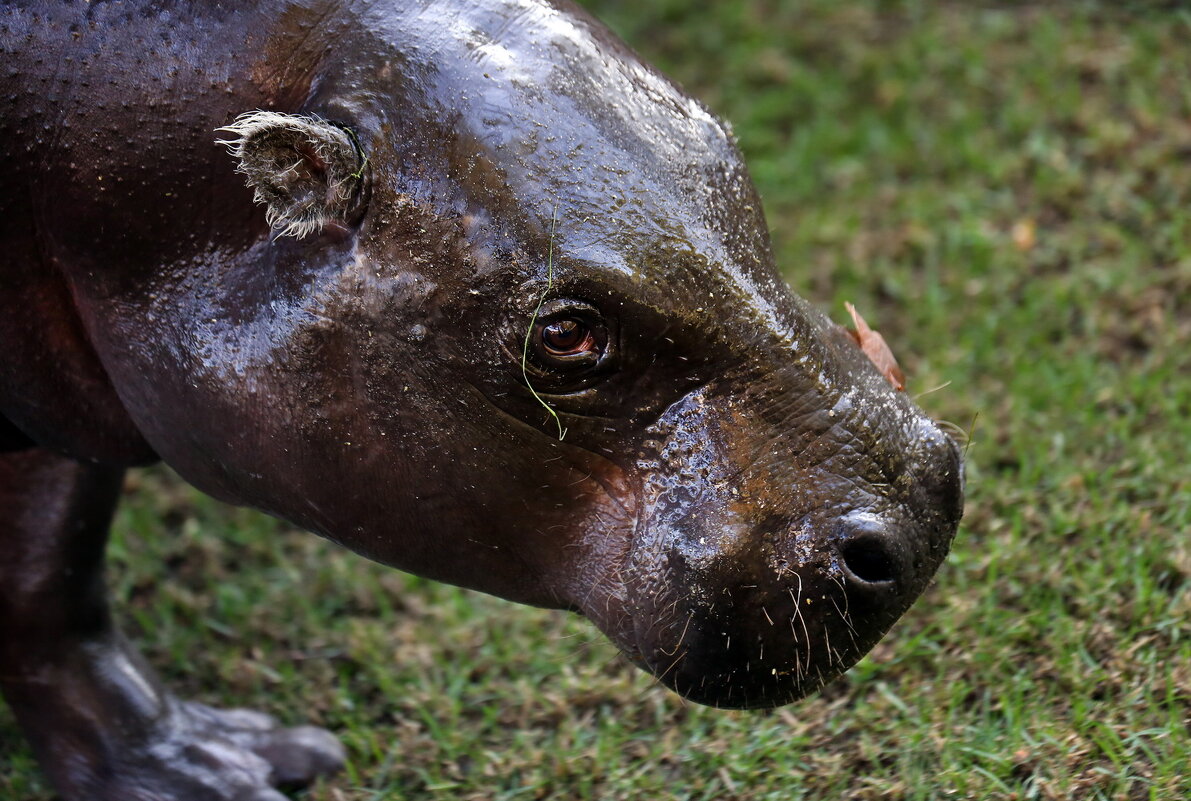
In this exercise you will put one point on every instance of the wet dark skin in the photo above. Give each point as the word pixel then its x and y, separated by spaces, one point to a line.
pixel 740 501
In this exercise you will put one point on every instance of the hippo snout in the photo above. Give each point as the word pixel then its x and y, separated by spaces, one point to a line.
pixel 755 588
pixel 764 632
pixel 761 633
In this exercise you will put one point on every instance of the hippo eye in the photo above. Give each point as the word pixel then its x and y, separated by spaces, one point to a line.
pixel 569 340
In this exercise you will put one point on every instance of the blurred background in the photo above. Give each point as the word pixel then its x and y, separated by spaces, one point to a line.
pixel 1005 192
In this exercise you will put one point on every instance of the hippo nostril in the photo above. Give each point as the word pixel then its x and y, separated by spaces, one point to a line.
pixel 867 559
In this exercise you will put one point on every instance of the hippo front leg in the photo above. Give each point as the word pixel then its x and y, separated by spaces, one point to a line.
pixel 100 723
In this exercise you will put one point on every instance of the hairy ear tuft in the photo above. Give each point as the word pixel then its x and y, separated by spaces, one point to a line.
pixel 307 171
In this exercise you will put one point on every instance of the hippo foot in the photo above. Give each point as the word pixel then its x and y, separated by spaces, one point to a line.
pixel 123 738
pixel 245 751
pixel 203 754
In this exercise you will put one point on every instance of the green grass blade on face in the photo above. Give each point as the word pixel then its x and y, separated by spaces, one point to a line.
pixel 533 321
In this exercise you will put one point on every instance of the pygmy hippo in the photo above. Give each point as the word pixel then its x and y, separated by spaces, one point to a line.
pixel 505 314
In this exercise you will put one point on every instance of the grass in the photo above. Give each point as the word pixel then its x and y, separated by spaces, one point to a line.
pixel 533 321
pixel 1006 194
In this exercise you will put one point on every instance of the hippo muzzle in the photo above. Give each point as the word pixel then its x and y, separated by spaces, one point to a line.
pixel 781 538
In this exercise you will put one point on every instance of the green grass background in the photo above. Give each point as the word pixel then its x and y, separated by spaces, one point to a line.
pixel 1005 192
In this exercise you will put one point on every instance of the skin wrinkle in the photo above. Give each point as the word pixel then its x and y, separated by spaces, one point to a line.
pixel 611 496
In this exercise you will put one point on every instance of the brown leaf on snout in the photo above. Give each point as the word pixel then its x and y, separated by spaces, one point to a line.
pixel 874 347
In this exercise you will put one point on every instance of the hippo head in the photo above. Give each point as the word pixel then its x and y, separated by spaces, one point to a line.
pixel 530 338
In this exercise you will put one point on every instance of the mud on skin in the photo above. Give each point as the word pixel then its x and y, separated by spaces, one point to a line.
pixel 741 502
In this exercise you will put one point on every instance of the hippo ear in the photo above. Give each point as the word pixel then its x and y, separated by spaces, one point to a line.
pixel 308 171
